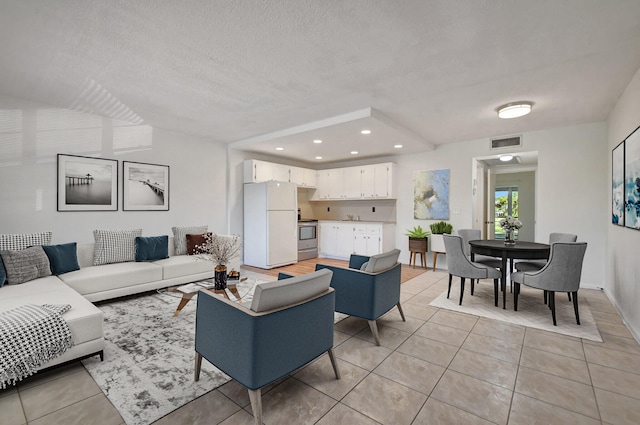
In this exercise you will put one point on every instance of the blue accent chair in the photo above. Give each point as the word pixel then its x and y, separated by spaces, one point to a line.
pixel 368 288
pixel 289 323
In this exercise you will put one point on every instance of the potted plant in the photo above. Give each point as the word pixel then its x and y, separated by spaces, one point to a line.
pixel 219 249
pixel 437 230
pixel 417 239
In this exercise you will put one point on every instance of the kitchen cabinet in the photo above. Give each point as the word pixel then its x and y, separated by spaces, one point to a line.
pixel 362 182
pixel 336 239
pixel 256 171
pixel 340 239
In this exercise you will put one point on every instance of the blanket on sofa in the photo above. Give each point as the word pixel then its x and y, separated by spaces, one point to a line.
pixel 30 336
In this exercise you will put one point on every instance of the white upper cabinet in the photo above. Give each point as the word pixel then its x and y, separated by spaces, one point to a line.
pixel 256 171
pixel 374 181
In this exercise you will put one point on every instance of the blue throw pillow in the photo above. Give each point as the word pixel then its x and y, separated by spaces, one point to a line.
pixel 3 273
pixel 152 248
pixel 63 258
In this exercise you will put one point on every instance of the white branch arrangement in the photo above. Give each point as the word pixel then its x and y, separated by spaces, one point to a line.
pixel 219 249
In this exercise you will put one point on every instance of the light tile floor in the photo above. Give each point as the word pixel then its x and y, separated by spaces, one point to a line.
pixel 438 367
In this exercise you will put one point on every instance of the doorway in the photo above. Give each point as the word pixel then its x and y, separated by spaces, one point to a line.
pixel 505 189
pixel 506 204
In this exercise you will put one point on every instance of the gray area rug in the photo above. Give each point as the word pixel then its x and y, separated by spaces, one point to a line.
pixel 148 364
pixel 532 311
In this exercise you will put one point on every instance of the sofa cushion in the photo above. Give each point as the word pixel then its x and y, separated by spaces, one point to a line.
pixel 281 293
pixel 89 280
pixel 194 242
pixel 25 265
pixel 114 246
pixel 84 318
pixel 180 236
pixel 384 261
pixel 183 265
pixel 3 273
pixel 63 258
pixel 24 240
pixel 152 248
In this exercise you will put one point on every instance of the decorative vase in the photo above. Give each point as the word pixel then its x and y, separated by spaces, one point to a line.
pixel 437 243
pixel 509 237
pixel 417 244
pixel 220 277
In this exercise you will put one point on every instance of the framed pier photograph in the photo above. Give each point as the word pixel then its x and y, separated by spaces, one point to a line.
pixel 87 184
pixel 145 187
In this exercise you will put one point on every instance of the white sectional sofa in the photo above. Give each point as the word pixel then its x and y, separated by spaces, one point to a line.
pixel 97 283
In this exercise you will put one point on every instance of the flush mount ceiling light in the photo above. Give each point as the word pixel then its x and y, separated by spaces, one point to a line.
pixel 397 146
pixel 354 152
pixel 514 109
pixel 365 132
pixel 317 141
pixel 318 157
pixel 279 149
pixel 506 158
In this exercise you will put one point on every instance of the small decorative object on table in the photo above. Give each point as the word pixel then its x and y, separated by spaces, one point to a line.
pixel 510 224
pixel 219 249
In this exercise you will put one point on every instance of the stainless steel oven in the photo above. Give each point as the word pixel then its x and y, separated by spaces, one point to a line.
pixel 307 239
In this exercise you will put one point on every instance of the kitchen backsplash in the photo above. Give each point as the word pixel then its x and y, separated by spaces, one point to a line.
pixel 385 209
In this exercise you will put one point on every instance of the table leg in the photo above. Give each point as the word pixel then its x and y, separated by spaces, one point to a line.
pixel 503 284
pixel 184 301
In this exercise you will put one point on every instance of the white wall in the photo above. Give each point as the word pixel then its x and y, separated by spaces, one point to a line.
pixel 571 187
pixel 30 137
pixel 622 266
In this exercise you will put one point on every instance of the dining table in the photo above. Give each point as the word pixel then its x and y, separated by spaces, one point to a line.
pixel 520 250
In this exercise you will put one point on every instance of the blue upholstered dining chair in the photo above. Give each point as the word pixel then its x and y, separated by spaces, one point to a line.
pixel 560 274
pixel 288 324
pixel 368 288
pixel 458 264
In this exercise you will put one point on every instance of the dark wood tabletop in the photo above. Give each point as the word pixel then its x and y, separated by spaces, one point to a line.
pixel 521 250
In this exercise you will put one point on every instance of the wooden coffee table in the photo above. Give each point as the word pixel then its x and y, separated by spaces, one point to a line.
pixel 188 291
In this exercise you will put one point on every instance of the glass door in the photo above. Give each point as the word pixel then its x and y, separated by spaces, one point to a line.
pixel 506 203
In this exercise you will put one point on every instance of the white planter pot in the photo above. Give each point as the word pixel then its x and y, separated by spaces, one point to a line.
pixel 437 243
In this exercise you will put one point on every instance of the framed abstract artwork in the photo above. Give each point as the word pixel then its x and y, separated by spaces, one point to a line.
pixel 431 195
pixel 617 185
pixel 145 187
pixel 632 180
pixel 87 184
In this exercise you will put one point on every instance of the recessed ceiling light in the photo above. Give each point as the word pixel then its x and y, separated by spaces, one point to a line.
pixel 514 109
pixel 279 149
pixel 506 158
pixel 354 152
pixel 318 157
pixel 397 146
pixel 365 132
pixel 317 141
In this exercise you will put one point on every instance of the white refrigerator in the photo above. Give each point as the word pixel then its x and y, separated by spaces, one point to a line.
pixel 270 224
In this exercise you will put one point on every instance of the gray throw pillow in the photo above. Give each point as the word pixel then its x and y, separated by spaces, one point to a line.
pixel 114 246
pixel 25 265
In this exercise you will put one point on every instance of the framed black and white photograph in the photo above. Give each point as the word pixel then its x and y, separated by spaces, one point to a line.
pixel 632 180
pixel 145 187
pixel 617 185
pixel 87 184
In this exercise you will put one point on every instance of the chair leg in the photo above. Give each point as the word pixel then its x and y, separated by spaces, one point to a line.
pixel 255 396
pixel 545 296
pixel 552 305
pixel 575 305
pixel 334 363
pixel 472 285
pixel 401 312
pixel 495 291
pixel 196 374
pixel 569 295
pixel 449 290
pixel 374 330
pixel 461 289
pixel 516 291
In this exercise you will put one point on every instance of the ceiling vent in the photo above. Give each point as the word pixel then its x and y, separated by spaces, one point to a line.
pixel 506 142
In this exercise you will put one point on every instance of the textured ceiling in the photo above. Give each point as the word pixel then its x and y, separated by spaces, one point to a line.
pixel 235 70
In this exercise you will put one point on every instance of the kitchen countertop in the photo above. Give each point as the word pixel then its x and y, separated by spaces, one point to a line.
pixel 357 221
